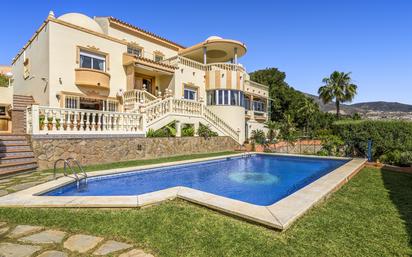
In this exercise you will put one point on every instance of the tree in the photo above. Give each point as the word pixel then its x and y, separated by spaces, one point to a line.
pixel 4 81
pixel 272 126
pixel 307 110
pixel 339 87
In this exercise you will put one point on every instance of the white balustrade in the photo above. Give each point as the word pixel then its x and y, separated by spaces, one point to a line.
pixel 134 98
pixel 49 120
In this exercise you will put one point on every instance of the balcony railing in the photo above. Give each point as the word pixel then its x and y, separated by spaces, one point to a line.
pixel 176 60
pixel 50 120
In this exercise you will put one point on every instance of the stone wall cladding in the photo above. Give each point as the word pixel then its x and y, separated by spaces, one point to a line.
pixel 105 149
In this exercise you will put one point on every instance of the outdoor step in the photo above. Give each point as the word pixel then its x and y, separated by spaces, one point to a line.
pixel 12 142
pixel 15 148
pixel 10 137
pixel 18 170
pixel 17 159
pixel 4 166
pixel 16 154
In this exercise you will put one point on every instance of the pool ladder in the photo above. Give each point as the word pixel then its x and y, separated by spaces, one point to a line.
pixel 67 163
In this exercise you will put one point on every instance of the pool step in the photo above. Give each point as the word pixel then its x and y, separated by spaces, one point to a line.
pixel 16 155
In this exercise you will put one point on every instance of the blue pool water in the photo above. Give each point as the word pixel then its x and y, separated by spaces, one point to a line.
pixel 259 179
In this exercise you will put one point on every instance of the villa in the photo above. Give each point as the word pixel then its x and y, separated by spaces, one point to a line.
pixel 78 75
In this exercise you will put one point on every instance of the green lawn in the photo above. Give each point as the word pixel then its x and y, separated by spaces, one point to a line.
pixel 369 216
pixel 107 166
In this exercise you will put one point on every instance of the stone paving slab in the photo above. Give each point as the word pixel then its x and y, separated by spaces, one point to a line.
pixel 3 230
pixel 111 247
pixel 45 237
pixel 135 253
pixel 53 254
pixel 82 243
pixel 16 250
pixel 22 230
pixel 3 192
pixel 23 186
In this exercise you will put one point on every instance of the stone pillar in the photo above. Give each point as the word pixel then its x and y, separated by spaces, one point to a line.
pixel 235 50
pixel 178 129
pixel 196 127
pixel 34 119
pixel 252 108
pixel 204 55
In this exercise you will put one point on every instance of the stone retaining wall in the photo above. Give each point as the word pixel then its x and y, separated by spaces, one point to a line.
pixel 106 149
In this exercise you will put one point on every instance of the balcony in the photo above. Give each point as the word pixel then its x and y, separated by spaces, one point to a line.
pixel 256 89
pixel 147 61
pixel 92 78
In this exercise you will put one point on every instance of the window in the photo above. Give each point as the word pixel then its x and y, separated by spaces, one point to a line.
pixel 158 58
pixel 190 94
pixel 92 61
pixel 112 106
pixel 211 98
pixel 71 102
pixel 225 97
pixel 3 110
pixel 258 106
pixel 134 50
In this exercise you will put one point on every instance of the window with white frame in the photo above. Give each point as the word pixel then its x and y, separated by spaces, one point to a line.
pixel 134 50
pixel 225 97
pixel 112 106
pixel 72 102
pixel 258 106
pixel 92 61
pixel 190 93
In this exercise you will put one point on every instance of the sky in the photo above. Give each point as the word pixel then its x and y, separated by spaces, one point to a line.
pixel 307 40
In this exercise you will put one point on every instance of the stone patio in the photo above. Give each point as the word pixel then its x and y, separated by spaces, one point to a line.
pixel 28 241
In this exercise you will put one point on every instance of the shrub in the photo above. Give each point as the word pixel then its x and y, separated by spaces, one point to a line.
pixel 332 145
pixel 167 131
pixel 397 158
pixel 205 131
pixel 387 136
pixel 258 136
pixel 188 130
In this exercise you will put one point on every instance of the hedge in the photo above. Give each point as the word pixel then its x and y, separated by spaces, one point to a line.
pixel 387 136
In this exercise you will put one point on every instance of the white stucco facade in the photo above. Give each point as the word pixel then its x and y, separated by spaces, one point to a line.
pixel 104 64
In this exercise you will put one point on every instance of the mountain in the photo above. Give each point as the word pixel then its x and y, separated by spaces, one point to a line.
pixel 379 106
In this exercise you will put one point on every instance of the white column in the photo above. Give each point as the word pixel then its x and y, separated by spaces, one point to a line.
pixel 178 129
pixel 196 127
pixel 204 55
pixel 35 119
pixel 235 55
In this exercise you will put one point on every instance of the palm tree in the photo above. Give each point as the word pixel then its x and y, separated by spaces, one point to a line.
pixel 272 127
pixel 339 87
pixel 307 110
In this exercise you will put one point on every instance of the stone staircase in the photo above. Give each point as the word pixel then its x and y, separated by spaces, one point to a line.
pixel 20 103
pixel 16 155
pixel 162 112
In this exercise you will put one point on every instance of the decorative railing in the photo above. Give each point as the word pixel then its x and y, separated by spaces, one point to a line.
pixel 49 120
pixel 225 67
pixel 135 98
pixel 155 111
pixel 214 119
pixel 175 60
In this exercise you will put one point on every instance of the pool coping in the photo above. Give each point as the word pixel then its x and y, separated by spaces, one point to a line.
pixel 279 215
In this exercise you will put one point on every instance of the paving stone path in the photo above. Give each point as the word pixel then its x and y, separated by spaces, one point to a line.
pixel 30 241
pixel 20 182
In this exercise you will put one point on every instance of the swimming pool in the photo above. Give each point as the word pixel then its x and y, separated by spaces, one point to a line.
pixel 259 179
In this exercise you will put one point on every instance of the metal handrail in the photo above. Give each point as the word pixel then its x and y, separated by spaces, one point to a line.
pixel 78 165
pixel 67 164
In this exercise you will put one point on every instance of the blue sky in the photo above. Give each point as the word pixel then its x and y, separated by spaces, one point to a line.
pixel 306 39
